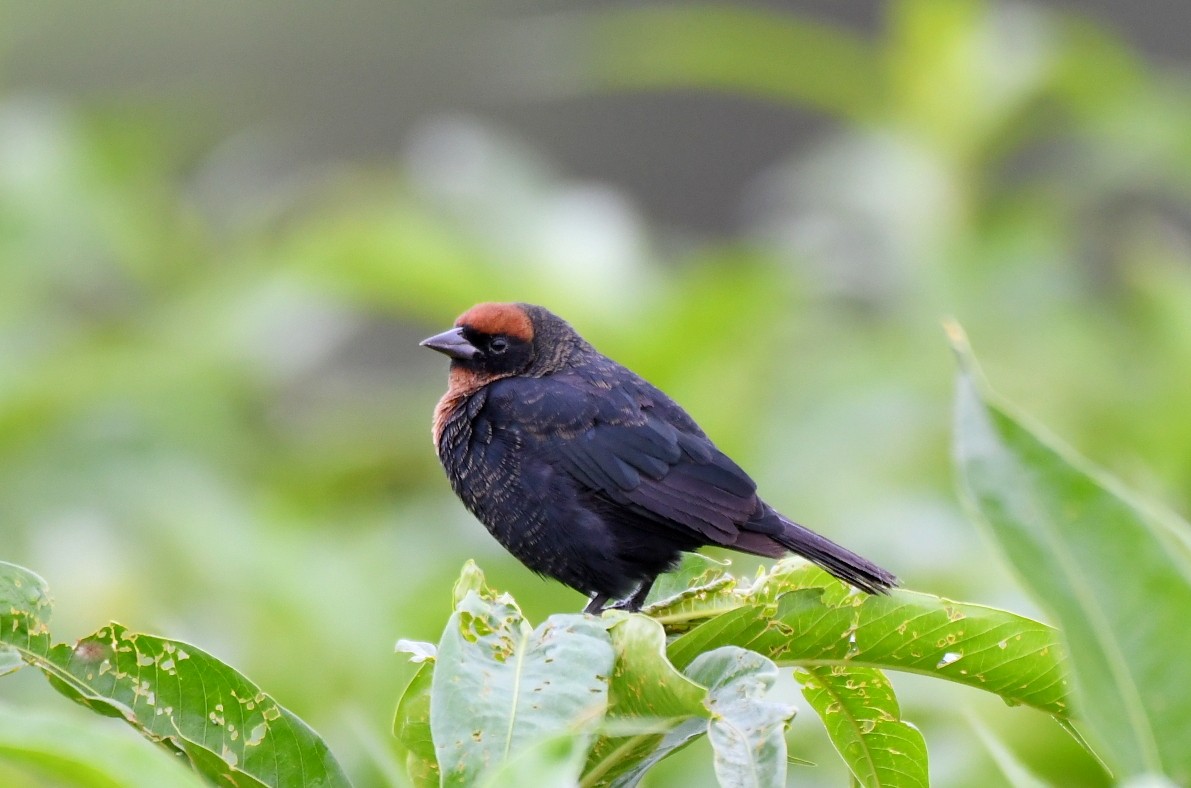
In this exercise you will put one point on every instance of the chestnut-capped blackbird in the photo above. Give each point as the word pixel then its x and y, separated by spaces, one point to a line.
pixel 588 473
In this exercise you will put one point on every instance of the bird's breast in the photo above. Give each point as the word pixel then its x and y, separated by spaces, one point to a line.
pixel 463 439
pixel 463 386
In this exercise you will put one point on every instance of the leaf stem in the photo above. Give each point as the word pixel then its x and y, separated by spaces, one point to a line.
pixel 611 759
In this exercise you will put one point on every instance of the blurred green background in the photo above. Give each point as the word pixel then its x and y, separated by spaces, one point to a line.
pixel 224 228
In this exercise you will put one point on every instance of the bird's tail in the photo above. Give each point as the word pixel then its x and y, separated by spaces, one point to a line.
pixel 771 534
pixel 839 561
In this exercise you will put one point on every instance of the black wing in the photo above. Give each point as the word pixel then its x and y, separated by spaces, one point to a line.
pixel 625 440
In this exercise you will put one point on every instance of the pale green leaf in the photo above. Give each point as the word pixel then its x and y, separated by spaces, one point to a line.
pixel 411 727
pixel 499 685
pixel 644 683
pixel 553 762
pixel 648 697
pixel 674 740
pixel 747 731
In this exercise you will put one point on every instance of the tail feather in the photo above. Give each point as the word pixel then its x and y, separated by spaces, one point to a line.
pixel 839 561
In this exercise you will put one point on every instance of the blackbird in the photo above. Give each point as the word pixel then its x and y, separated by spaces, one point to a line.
pixel 589 474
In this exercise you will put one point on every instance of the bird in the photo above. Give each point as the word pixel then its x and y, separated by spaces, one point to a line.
pixel 589 474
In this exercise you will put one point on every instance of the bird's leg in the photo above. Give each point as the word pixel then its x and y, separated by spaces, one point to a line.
pixel 637 600
pixel 596 605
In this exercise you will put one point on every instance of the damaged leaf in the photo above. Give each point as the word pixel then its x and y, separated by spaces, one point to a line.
pixel 173 693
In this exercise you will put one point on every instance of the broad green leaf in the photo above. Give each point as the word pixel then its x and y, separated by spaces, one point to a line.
pixel 499 685
pixel 993 650
pixel 411 727
pixel 172 692
pixel 862 716
pixel 70 751
pixel 747 732
pixel 644 683
pixel 554 762
pixel 1118 585
pixel 648 697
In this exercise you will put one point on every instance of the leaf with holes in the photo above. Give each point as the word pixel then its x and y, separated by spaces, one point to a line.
pixel 173 693
pixel 499 685
pixel 698 589
pixel 818 622
pixel 862 716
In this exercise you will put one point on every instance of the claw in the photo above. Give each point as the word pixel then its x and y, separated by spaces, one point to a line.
pixel 596 606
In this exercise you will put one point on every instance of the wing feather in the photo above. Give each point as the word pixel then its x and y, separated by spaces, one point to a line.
pixel 632 447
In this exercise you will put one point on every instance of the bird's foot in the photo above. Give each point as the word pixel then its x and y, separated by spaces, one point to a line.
pixel 596 606
pixel 632 604
pixel 637 601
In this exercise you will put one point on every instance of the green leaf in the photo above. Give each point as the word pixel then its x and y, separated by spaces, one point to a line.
pixel 747 731
pixel 25 608
pixel 644 682
pixel 674 740
pixel 471 579
pixel 861 714
pixel 171 692
pixel 812 625
pixel 1117 582
pixel 554 762
pixel 648 697
pixel 695 573
pixel 499 685
pixel 411 727
pixel 68 751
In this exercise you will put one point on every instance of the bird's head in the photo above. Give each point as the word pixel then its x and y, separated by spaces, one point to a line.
pixel 495 340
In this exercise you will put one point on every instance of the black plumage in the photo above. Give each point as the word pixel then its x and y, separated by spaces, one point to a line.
pixel 589 474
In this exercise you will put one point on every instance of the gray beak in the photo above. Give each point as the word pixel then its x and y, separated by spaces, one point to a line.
pixel 452 344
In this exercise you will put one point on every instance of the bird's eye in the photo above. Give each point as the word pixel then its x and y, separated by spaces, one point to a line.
pixel 498 345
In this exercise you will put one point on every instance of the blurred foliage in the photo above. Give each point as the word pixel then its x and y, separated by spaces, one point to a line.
pixel 214 418
pixel 1064 530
